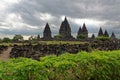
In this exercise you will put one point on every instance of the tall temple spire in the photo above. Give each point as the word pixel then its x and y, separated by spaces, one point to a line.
pixel 85 31
pixel 65 29
pixel 106 34
pixel 84 27
pixel 79 31
pixel 47 32
pixel 100 33
pixel 113 36
pixel 65 19
pixel 82 32
pixel 93 36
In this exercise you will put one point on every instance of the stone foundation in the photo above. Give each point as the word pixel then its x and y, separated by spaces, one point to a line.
pixel 39 50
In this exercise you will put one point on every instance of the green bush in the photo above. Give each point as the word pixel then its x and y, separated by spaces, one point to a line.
pixel 6 40
pixel 58 36
pixel 81 36
pixel 97 65
pixel 103 38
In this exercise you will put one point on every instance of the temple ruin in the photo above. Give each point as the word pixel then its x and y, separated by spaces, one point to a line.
pixel 83 31
pixel 65 32
pixel 47 33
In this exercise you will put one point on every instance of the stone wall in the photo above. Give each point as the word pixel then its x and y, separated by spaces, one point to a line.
pixel 2 48
pixel 39 50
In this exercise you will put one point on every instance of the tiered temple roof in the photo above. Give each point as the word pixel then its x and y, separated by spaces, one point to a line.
pixel 65 32
pixel 100 33
pixel 106 34
pixel 83 31
pixel 113 36
pixel 47 32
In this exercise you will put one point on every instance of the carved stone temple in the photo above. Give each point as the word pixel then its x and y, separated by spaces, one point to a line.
pixel 113 36
pixel 106 34
pixel 83 31
pixel 47 33
pixel 65 30
pixel 100 33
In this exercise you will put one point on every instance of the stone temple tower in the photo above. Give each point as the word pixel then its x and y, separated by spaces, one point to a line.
pixel 79 31
pixel 47 33
pixel 65 30
pixel 83 31
pixel 113 36
pixel 100 33
pixel 106 33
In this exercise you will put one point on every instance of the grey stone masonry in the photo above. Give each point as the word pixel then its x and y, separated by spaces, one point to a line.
pixel 100 33
pixel 113 36
pixel 106 34
pixel 65 30
pixel 47 33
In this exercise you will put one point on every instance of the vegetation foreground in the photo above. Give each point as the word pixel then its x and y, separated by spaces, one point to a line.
pixel 97 65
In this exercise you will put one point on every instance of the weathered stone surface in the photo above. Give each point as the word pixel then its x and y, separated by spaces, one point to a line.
pixel 113 36
pixel 79 31
pixel 39 50
pixel 65 33
pixel 47 33
pixel 100 33
pixel 2 48
pixel 93 36
pixel 106 34
pixel 83 32
pixel 65 30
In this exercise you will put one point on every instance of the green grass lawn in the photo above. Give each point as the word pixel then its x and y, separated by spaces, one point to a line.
pixel 62 42
pixel 45 42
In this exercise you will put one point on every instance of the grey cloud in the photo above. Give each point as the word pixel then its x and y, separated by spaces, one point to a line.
pixel 103 10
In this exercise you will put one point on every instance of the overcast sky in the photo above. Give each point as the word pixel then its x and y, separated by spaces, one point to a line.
pixel 28 17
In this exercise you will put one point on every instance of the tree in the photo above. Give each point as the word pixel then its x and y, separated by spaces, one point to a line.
pixel 58 36
pixel 0 40
pixel 34 38
pixel 18 38
pixel 6 40
pixel 81 36
pixel 103 38
pixel 30 38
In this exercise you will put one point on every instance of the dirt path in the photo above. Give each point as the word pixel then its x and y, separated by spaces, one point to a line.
pixel 5 54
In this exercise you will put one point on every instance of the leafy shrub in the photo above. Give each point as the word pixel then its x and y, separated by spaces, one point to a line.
pixel 103 38
pixel 6 40
pixel 58 36
pixel 97 65
pixel 81 36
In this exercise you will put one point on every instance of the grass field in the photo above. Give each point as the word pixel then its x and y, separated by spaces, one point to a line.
pixel 44 42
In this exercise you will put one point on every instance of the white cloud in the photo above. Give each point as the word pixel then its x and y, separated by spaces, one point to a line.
pixel 27 17
pixel 96 23
pixel 4 27
pixel 4 4
pixel 11 1
pixel 80 21
pixel 15 22
pixel 6 35
pixel 46 16
pixel 2 7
